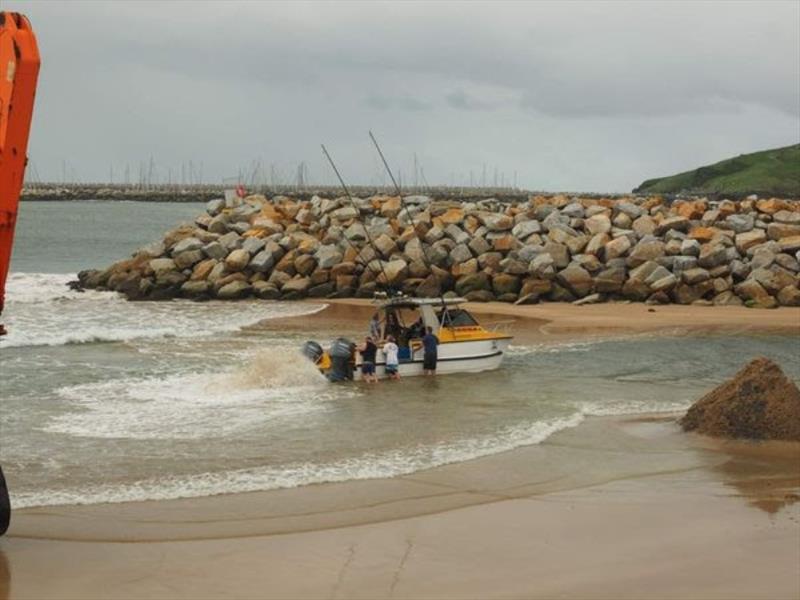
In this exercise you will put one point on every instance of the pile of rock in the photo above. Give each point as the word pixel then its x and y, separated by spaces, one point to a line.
pixel 758 403
pixel 556 248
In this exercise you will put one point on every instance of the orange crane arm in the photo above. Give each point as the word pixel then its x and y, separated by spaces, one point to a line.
pixel 19 70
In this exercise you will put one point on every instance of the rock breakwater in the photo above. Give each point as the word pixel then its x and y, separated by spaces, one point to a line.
pixel 553 248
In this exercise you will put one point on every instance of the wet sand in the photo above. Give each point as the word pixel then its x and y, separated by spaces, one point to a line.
pixel 613 508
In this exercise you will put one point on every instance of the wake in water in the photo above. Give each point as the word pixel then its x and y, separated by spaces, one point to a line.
pixel 267 386
pixel 41 310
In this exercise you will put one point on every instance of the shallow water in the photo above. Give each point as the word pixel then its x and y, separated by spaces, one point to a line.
pixel 107 400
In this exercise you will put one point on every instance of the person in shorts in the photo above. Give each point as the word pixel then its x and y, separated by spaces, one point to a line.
pixel 368 351
pixel 431 355
pixel 390 351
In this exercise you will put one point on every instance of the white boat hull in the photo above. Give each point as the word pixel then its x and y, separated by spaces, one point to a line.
pixel 453 357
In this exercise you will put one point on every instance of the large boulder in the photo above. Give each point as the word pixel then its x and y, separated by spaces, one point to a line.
pixel 187 245
pixel 647 249
pixel 162 265
pixel 237 260
pixel 610 280
pixel 187 259
pixel 576 279
pixel 234 290
pixel 496 222
pixel 525 229
pixel 758 403
pixel 616 247
pixel 503 283
pixel 597 224
pixel 471 283
pixel 393 272
pixel 262 262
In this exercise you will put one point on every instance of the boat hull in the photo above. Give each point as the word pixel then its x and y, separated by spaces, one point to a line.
pixel 454 357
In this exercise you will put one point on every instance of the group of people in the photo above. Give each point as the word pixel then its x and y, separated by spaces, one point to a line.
pixel 391 351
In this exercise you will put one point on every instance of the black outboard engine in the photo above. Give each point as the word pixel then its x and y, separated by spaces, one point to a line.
pixel 342 352
pixel 312 351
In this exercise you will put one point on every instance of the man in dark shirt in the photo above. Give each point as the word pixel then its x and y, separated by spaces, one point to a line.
pixel 368 351
pixel 431 355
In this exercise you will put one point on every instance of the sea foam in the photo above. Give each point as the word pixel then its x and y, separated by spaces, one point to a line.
pixel 41 310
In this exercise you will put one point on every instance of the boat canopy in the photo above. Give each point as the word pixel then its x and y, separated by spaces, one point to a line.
pixel 409 302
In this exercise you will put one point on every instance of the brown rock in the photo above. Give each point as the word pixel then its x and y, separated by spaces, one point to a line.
pixel 503 283
pixel 576 279
pixel 532 289
pixel 771 206
pixel 505 243
pixel 759 403
pixel 747 240
pixel 470 283
pixel 617 247
pixel 789 296
pixel 237 260
pixel 778 231
pixel 691 210
pixel 644 225
pixel 234 290
pixel 304 264
pixel 678 223
pixel 202 269
pixel 452 216
pixel 703 234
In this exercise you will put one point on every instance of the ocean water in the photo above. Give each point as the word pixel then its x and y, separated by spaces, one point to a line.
pixel 104 400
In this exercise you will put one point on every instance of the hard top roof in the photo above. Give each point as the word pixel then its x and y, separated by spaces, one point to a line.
pixel 408 301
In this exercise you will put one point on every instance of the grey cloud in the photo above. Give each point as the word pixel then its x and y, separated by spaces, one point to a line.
pixel 595 83
pixel 381 102
pixel 461 100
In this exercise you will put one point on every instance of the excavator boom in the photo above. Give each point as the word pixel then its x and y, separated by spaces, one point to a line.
pixel 19 70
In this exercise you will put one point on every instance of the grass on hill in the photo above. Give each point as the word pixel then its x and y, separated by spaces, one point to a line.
pixel 769 173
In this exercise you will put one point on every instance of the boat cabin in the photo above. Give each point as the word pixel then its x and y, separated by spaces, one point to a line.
pixel 407 318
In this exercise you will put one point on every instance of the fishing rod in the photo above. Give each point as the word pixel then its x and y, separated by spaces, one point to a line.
pixel 427 261
pixel 366 231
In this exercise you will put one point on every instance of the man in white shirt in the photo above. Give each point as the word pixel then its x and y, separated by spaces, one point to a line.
pixel 390 351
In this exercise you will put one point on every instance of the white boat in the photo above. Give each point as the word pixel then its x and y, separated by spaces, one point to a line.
pixel 465 346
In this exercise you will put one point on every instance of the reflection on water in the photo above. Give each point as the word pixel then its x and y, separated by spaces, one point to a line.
pixel 766 474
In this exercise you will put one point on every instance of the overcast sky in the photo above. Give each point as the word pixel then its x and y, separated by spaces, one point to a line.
pixel 578 96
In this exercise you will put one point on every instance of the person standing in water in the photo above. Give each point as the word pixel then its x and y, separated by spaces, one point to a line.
pixel 431 355
pixel 368 351
pixel 390 351
pixel 375 327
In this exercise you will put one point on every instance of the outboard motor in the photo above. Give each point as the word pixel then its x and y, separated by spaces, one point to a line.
pixel 341 353
pixel 312 351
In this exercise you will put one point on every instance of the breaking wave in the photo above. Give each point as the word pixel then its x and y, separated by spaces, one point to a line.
pixel 41 310
pixel 402 461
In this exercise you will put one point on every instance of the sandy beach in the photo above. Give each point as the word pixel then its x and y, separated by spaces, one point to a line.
pixel 617 507
pixel 562 321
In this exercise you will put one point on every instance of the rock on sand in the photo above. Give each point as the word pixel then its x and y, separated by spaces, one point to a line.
pixel 759 403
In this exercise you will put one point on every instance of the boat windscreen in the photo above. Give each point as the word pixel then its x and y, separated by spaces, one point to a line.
pixel 458 317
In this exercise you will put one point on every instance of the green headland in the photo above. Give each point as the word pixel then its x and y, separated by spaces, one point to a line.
pixel 773 172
